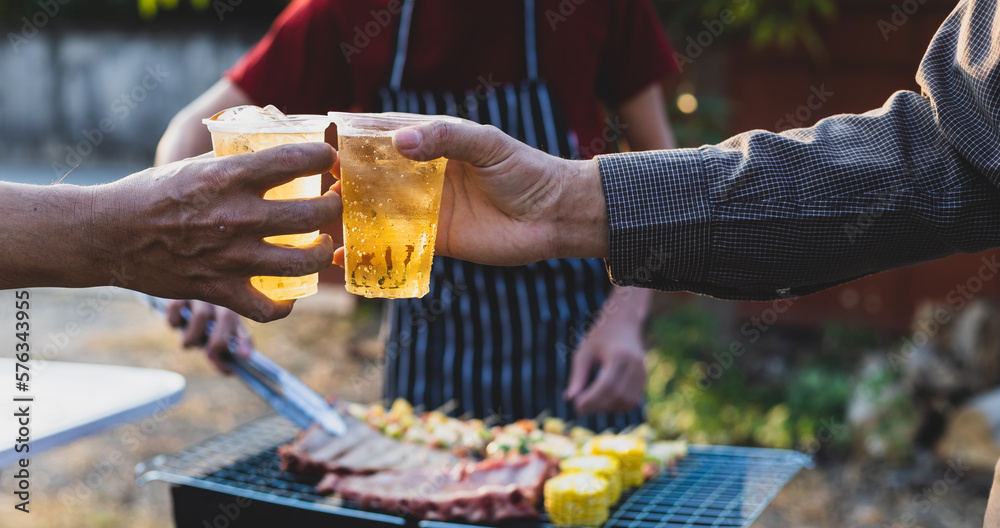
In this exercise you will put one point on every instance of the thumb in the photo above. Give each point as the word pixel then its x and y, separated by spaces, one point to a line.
pixel 479 145
pixel 583 363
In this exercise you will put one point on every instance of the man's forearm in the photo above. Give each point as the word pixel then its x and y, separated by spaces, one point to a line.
pixel 581 219
pixel 767 215
pixel 48 237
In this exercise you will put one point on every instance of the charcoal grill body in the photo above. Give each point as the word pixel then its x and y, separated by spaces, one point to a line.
pixel 234 481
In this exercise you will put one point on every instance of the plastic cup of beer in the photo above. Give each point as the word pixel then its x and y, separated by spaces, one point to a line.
pixel 391 206
pixel 244 129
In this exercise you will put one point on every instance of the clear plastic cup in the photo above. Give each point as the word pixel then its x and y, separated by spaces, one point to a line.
pixel 391 206
pixel 270 130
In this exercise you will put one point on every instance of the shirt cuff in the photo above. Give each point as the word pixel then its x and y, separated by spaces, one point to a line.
pixel 658 216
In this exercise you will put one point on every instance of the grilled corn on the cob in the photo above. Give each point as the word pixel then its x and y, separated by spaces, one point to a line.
pixel 577 499
pixel 603 466
pixel 629 451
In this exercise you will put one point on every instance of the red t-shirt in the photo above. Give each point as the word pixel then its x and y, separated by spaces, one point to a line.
pixel 325 55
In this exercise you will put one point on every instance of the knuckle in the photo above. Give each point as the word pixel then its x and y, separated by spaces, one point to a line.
pixel 217 260
pixel 307 215
pixel 443 133
pixel 293 157
pixel 213 175
pixel 444 130
pixel 280 262
pixel 305 262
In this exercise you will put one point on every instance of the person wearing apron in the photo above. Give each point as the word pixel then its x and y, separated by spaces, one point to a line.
pixel 494 340
pixel 491 342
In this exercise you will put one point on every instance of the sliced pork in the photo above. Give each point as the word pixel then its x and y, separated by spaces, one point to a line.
pixel 362 450
pixel 488 491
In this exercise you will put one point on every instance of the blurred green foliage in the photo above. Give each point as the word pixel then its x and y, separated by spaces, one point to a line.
pixel 706 126
pixel 695 25
pixel 149 8
pixel 124 12
pixel 698 388
pixel 784 24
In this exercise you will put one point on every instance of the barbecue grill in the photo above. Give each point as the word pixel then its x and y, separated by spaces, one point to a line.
pixel 234 481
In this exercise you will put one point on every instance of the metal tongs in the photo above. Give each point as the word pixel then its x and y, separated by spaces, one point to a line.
pixel 280 389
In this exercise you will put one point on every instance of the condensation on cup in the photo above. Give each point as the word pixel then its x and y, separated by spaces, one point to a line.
pixel 391 206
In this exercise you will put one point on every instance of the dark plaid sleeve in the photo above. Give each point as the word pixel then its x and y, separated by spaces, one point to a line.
pixel 765 215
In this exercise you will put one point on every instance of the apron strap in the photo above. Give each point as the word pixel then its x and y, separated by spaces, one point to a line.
pixel 402 40
pixel 405 17
pixel 530 40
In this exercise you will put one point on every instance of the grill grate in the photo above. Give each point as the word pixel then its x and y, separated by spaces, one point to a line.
pixel 713 486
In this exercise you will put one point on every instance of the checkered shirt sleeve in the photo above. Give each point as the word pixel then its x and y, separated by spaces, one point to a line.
pixel 767 215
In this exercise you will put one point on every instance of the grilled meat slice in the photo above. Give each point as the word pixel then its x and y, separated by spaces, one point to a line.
pixel 361 450
pixel 488 491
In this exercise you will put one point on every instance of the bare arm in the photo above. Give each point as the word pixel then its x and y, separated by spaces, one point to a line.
pixel 614 344
pixel 191 229
pixel 760 216
pixel 645 122
pixel 614 347
pixel 187 136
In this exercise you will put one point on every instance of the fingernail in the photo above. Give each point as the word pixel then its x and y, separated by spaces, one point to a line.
pixel 407 139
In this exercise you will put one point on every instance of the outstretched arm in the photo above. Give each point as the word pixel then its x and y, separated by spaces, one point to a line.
pixel 191 229
pixel 762 215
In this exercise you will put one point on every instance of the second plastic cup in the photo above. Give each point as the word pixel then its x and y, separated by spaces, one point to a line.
pixel 391 206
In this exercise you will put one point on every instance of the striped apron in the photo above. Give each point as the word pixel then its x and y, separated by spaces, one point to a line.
pixel 496 342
